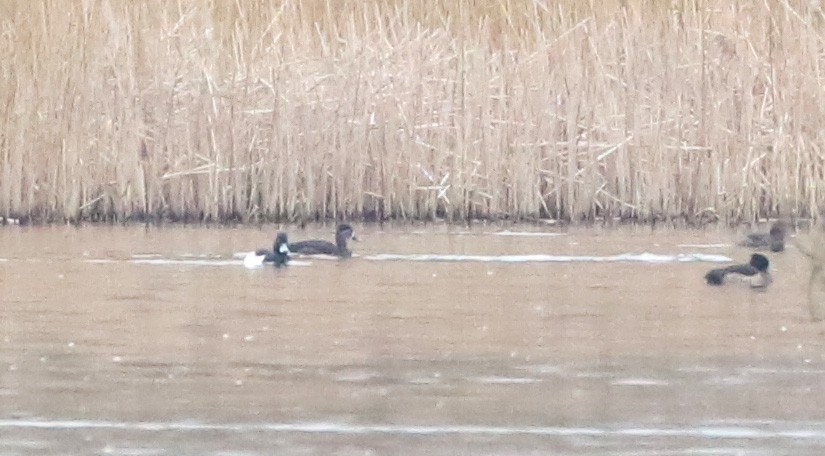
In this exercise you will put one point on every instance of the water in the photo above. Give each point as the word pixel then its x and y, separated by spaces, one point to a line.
pixel 127 341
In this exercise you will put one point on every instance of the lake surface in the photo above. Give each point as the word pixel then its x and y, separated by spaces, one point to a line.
pixel 432 341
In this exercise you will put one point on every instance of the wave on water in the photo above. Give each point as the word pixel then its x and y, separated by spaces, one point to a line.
pixel 625 257
pixel 526 233
pixel 237 259
pixel 488 233
pixel 200 260
pixel 191 262
pixel 292 256
pixel 773 430
pixel 705 246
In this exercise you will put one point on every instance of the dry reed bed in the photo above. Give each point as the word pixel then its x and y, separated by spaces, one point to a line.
pixel 380 108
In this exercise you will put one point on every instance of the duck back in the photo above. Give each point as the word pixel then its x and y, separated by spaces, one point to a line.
pixel 313 247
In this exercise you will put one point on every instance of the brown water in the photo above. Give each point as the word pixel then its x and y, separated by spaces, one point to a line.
pixel 128 341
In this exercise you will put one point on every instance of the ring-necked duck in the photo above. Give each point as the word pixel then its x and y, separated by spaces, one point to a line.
pixel 279 255
pixel 755 272
pixel 774 239
pixel 319 247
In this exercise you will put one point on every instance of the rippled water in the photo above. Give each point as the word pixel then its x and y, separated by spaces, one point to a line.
pixel 431 341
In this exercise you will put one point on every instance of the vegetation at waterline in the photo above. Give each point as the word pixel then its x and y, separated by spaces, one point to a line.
pixel 296 110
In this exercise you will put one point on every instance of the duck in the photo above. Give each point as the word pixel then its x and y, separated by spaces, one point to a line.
pixel 755 272
pixel 773 239
pixel 343 234
pixel 279 255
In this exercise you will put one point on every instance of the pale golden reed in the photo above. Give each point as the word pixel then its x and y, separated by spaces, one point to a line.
pixel 294 110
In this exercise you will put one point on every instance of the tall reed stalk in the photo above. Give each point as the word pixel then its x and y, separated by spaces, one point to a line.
pixel 639 109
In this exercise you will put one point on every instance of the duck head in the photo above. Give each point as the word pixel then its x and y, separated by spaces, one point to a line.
pixel 281 249
pixel 344 233
pixel 759 262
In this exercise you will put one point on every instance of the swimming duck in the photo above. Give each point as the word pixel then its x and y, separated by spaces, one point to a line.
pixel 774 239
pixel 755 272
pixel 279 255
pixel 318 247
